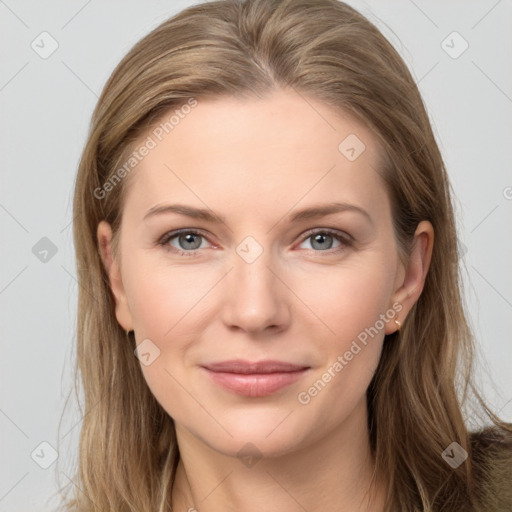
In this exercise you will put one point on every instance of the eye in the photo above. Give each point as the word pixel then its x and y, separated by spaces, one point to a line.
pixel 188 241
pixel 322 240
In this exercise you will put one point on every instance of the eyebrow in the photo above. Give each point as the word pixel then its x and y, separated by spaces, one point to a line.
pixel 208 215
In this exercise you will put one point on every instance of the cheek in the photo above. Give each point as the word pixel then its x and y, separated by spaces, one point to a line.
pixel 349 299
pixel 348 329
pixel 334 302
pixel 163 302
pixel 163 298
pixel 168 306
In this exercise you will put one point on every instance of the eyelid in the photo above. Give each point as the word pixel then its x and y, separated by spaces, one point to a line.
pixel 170 235
pixel 330 231
pixel 175 232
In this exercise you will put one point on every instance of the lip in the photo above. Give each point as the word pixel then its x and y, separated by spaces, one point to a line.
pixel 254 379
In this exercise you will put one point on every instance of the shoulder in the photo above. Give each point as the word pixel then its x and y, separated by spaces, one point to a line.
pixel 491 458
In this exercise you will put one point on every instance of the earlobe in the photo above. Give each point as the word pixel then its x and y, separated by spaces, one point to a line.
pixel 111 265
pixel 415 273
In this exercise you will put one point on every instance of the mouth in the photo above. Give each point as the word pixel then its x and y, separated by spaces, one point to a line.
pixel 254 379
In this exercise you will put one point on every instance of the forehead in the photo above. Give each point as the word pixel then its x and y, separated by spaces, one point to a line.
pixel 283 147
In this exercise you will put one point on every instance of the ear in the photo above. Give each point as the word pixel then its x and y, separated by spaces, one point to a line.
pixel 411 278
pixel 123 313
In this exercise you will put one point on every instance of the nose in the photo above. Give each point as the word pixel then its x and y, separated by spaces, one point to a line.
pixel 256 299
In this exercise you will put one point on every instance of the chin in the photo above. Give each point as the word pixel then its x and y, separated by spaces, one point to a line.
pixel 265 434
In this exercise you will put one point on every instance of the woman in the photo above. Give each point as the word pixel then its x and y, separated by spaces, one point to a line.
pixel 255 369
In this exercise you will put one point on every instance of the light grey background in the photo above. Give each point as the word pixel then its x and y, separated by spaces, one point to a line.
pixel 45 110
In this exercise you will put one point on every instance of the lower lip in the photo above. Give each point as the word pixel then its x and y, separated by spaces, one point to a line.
pixel 256 384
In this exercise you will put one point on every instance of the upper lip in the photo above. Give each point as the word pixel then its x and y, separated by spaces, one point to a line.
pixel 248 367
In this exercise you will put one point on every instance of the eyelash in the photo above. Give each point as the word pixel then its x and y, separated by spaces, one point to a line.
pixel 346 240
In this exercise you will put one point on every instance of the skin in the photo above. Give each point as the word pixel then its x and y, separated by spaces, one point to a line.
pixel 256 162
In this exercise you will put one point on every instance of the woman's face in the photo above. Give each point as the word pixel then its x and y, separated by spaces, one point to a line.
pixel 270 282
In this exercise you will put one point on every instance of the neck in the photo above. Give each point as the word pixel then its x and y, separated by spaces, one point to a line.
pixel 332 473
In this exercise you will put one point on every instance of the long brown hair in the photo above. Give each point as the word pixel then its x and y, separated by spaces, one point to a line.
pixel 324 50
